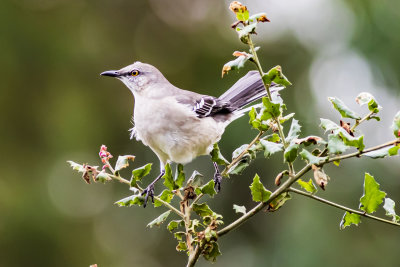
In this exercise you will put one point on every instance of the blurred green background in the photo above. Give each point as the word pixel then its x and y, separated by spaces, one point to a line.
pixel 55 107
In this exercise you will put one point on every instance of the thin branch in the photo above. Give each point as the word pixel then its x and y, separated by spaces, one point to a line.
pixel 196 200
pixel 358 122
pixel 267 88
pixel 238 158
pixel 195 255
pixel 285 186
pixel 359 153
pixel 166 204
pixel 333 204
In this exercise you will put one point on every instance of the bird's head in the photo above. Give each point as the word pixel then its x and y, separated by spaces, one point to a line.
pixel 138 77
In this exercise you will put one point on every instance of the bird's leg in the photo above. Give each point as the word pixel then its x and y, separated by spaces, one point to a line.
pixel 149 191
pixel 217 178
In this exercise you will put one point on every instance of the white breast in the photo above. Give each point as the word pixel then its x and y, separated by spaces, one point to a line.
pixel 173 131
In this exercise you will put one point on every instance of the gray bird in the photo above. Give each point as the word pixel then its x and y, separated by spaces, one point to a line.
pixel 179 125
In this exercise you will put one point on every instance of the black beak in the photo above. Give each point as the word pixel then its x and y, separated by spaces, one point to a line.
pixel 111 73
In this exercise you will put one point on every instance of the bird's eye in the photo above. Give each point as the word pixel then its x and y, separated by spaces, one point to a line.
pixel 134 73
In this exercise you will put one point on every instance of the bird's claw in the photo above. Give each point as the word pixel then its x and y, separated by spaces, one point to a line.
pixel 148 192
pixel 217 181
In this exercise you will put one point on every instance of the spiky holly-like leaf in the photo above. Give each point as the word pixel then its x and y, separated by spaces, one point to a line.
pixel 207 189
pixel 159 220
pixel 310 158
pixel 217 156
pixel 372 197
pixel 270 148
pixel 396 125
pixel 239 209
pixel 383 152
pixel 139 173
pixel 258 191
pixel 389 208
pixel 202 209
pixel 290 153
pixel 166 196
pixel 349 219
pixel 343 109
pixel 308 186
pixel 294 131
pixel 123 162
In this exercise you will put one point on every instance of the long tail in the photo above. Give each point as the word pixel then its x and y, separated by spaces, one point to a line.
pixel 246 90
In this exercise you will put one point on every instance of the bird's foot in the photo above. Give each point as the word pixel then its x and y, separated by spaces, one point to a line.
pixel 148 192
pixel 217 181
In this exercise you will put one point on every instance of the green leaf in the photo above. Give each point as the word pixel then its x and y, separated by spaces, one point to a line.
pixel 76 167
pixel 239 167
pixel 309 187
pixel 166 196
pixel 202 209
pixel 195 179
pixel 343 109
pixel 207 189
pixel 251 154
pixel 383 152
pixel 372 197
pixel 103 177
pixel 270 110
pixel 348 140
pixel 310 158
pixel 235 64
pixel 181 246
pixel 244 32
pixel 131 200
pixel 172 225
pixel 389 208
pixel 270 148
pixel 258 191
pixel 179 175
pixel 159 220
pixel 242 15
pixel 217 157
pixel 336 145
pixel 279 201
pixel 396 125
pixel 212 252
pixel 349 219
pixel 367 98
pixel 255 122
pixel 123 162
pixel 239 209
pixel 139 173
pixel 294 131
pixel 168 179
pixel 290 153
pixel 272 138
pixel 275 75
pixel 179 235
pixel 329 125
pixel 286 118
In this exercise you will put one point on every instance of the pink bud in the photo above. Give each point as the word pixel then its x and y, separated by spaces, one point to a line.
pixel 105 166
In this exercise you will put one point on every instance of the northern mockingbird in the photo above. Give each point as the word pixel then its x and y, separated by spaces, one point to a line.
pixel 179 125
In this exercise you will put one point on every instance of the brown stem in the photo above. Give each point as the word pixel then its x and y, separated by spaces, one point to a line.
pixel 333 204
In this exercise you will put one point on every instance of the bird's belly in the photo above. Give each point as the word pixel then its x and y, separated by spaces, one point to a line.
pixel 179 136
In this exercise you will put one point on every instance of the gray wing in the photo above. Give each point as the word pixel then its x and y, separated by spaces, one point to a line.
pixel 204 105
